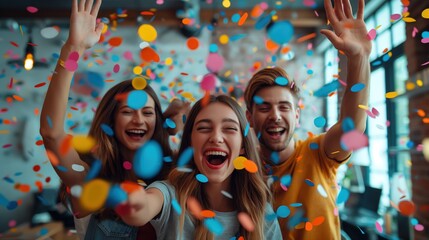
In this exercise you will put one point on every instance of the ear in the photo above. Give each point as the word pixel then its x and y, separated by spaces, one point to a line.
pixel 249 118
pixel 242 151
pixel 297 113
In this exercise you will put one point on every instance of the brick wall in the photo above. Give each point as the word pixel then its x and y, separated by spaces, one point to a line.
pixel 418 54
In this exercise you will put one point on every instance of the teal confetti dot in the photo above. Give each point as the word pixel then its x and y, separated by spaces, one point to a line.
pixel 281 81
pixel 414 221
pixel 258 100
pixel 343 195
pixel 12 205
pixel 281 32
pixel 275 157
pixel 116 196
pixel 214 226
pixel 61 168
pixel 235 17
pixel 326 89
pixel 168 159
pixel 347 124
pixel 3 200
pixel 310 71
pixel 170 123
pixel 410 144
pixel 357 87
pixel 115 58
pixel 49 121
pixel 137 99
pixel 43 231
pixel 176 206
pixel 185 157
pixel 296 204
pixel 319 122
pixel 94 170
pixel 107 129
pixel 237 37
pixel 263 21
pixel 212 48
pixel 376 63
pixel 202 178
pixel 314 146
pixel 286 180
pixel 148 160
pixel 309 182
pixel 246 130
pixel 386 57
pixel 283 211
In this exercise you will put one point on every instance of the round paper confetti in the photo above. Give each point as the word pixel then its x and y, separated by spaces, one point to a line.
pixel 343 195
pixel 192 43
pixel 202 178
pixel 170 123
pixel 319 121
pixel 185 157
pixel 214 62
pixel 353 140
pixel 49 32
pixel 371 34
pixel 77 167
pixel 357 87
pixel 94 194
pixel 148 54
pixel 281 81
pixel 115 41
pixel 390 95
pixel 32 9
pixel 258 100
pixel 127 165
pixel 139 83
pixel 214 226
pixel 283 211
pixel 147 32
pixel 148 160
pixel 246 221
pixel 94 170
pixel 406 207
pixel 107 129
pixel 116 196
pixel 281 32
pixel 76 191
pixel 83 143
pixel 176 206
pixel 208 83
pixel 137 99
pixel 322 191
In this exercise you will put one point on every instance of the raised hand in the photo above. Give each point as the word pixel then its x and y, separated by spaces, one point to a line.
pixel 349 34
pixel 84 30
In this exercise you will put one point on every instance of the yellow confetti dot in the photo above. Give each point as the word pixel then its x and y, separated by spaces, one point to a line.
pixel 410 86
pixel 147 32
pixel 171 84
pixel 390 95
pixel 226 3
pixel 363 107
pixel 105 28
pixel 419 83
pixel 187 95
pixel 69 115
pixel 239 162
pixel 83 143
pixel 139 83
pixel 223 39
pixel 425 13
pixel 137 70
pixel 227 73
pixel 94 194
pixel 168 61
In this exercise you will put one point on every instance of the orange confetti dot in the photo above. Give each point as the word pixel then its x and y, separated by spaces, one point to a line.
pixel 243 19
pixel 246 221
pixel 318 220
pixel 421 113
pixel 208 214
pixel 148 54
pixel 52 157
pixel 425 120
pixel 406 207
pixel 40 85
pixel 192 43
pixel 39 185
pixel 39 142
pixel 306 37
pixel 18 98
pixel 146 13
pixel 308 226
pixel 285 49
pixel 271 46
pixel 22 187
pixel 187 21
pixel 130 187
pixel 115 41
pixel 194 207
pixel 65 145
pixel 250 166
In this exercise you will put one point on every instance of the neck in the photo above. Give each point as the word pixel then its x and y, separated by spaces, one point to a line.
pixel 217 201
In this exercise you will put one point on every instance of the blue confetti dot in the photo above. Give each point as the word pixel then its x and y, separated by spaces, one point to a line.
pixel 107 129
pixel 115 58
pixel 281 32
pixel 414 221
pixel 235 17
pixel 237 37
pixel 183 118
pixel 310 72
pixel 212 48
pixel 214 226
pixel 357 87
pixel 314 146
pixel 202 178
pixel 283 211
pixel 347 124
pixel 275 157
pixel 320 122
pixel 309 182
pixel 12 205
pixel 258 100
pixel 94 170
pixel 176 206
pixel 286 180
pixel 3 200
pixel 343 195
pixel 168 159
pixel 310 53
pixel 185 157
pixel 43 231
pixel 116 196
pixel 262 21
pixel 246 130
pixel 148 160
pixel 137 99
pixel 410 144
pixel 296 204
pixel 386 57
pixel 327 88
pixel 61 168
pixel 376 63
pixel 281 81
pixel 170 123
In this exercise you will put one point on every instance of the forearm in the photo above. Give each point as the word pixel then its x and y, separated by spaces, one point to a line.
pixel 358 71
pixel 55 104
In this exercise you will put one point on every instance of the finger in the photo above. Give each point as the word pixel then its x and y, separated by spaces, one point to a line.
pixel 347 8
pixel 361 7
pixel 333 38
pixel 81 5
pixel 338 7
pixel 74 6
pixel 88 5
pixel 96 7
pixel 99 28
pixel 330 12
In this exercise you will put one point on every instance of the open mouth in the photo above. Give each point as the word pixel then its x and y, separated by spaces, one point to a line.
pixel 276 131
pixel 215 159
pixel 136 134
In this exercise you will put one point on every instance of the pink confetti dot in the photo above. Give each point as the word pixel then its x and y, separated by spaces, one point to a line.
pixel 264 6
pixel 371 34
pixel 128 55
pixel 214 62
pixel 32 9
pixel 419 227
pixel 12 223
pixel 354 140
pixel 395 17
pixel 74 56
pixel 378 227
pixel 70 65
pixel 116 68
pixel 127 165
pixel 209 82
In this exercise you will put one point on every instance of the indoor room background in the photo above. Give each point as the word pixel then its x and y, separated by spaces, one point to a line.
pixel 230 40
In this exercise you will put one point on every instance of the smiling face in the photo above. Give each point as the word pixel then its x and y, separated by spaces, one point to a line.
pixel 275 119
pixel 134 127
pixel 217 140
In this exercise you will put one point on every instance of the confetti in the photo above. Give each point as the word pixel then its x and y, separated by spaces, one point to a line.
pixel 281 32
pixel 320 122
pixel 406 207
pixel 202 178
pixel 214 226
pixel 246 221
pixel 83 143
pixel 137 99
pixel 283 211
pixel 176 206
pixel 116 196
pixel 94 194
pixel 148 160
pixel 185 157
pixel 353 140
pixel 147 32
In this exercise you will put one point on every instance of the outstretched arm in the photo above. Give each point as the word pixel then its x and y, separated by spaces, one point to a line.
pixel 141 207
pixel 350 36
pixel 84 33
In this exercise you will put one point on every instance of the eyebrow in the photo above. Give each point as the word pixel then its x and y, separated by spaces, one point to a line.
pixel 206 120
pixel 281 102
pixel 126 106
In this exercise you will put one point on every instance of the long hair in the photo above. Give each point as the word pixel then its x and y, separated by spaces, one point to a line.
pixel 108 147
pixel 250 192
pixel 266 78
